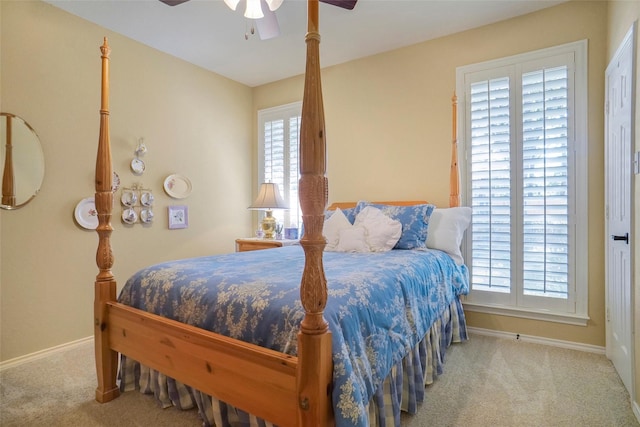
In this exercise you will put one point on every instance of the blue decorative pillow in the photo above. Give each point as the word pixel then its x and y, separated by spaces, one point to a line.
pixel 349 213
pixel 414 220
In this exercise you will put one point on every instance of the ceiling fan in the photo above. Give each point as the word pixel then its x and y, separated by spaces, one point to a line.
pixel 263 13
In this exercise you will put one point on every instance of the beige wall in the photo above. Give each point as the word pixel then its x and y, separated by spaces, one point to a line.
pixel 388 123
pixel 388 120
pixel 621 16
pixel 194 123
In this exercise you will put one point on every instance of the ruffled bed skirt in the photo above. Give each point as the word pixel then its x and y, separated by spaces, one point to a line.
pixel 403 389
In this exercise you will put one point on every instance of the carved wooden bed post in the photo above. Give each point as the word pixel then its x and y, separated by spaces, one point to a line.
pixel 105 285
pixel 454 180
pixel 314 339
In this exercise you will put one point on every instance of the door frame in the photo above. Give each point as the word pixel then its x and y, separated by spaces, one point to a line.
pixel 630 37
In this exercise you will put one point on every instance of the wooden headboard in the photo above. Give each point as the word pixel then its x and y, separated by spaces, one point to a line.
pixel 348 205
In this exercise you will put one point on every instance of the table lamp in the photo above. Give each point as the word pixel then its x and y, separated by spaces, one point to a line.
pixel 268 198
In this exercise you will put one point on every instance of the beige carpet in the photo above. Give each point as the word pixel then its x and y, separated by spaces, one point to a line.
pixel 487 382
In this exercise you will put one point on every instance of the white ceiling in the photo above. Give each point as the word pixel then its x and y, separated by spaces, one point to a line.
pixel 209 34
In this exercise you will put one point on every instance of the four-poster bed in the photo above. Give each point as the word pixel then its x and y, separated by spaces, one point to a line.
pixel 274 385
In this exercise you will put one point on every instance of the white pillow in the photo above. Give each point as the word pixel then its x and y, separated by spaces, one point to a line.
pixel 331 228
pixel 446 229
pixel 383 232
pixel 353 239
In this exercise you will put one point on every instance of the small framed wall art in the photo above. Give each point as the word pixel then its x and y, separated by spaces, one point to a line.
pixel 178 216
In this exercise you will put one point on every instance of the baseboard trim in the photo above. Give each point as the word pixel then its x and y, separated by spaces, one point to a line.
pixel 20 360
pixel 538 340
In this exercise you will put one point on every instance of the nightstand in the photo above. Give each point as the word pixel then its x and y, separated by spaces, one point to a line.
pixel 256 244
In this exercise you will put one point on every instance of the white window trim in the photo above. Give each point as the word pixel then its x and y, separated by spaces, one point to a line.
pixel 269 114
pixel 580 145
pixel 266 115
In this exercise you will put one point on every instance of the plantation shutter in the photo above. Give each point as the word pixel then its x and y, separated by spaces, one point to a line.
pixel 295 212
pixel 491 185
pixel 525 148
pixel 545 182
pixel 520 183
pixel 279 160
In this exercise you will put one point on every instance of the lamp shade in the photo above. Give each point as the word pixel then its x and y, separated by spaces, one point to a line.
pixel 269 198
pixel 253 10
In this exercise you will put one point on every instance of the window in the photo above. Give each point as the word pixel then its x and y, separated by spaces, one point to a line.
pixel 278 138
pixel 524 140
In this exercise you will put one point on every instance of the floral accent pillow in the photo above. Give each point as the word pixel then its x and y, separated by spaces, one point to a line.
pixel 372 231
pixel 414 220
pixel 382 232
pixel 350 213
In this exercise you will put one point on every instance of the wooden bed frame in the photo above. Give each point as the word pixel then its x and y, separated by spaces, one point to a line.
pixel 286 390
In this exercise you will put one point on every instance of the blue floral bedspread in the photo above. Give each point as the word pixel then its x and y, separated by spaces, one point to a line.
pixel 380 306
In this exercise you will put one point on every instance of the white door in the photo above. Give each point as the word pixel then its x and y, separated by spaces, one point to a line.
pixel 620 99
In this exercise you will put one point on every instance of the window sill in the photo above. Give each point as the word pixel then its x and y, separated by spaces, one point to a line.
pixel 546 316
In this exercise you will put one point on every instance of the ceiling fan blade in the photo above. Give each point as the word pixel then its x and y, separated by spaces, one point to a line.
pixel 268 26
pixel 173 2
pixel 345 4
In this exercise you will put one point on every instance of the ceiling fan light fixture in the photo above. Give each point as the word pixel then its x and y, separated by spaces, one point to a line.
pixel 274 4
pixel 254 10
pixel 232 4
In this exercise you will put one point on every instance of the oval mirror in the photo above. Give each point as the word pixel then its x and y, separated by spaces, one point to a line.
pixel 21 160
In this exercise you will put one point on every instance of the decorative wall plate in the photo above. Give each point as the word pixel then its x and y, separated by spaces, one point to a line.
pixel 137 166
pixel 146 199
pixel 129 216
pixel 146 216
pixel 116 182
pixel 129 198
pixel 177 186
pixel 86 214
